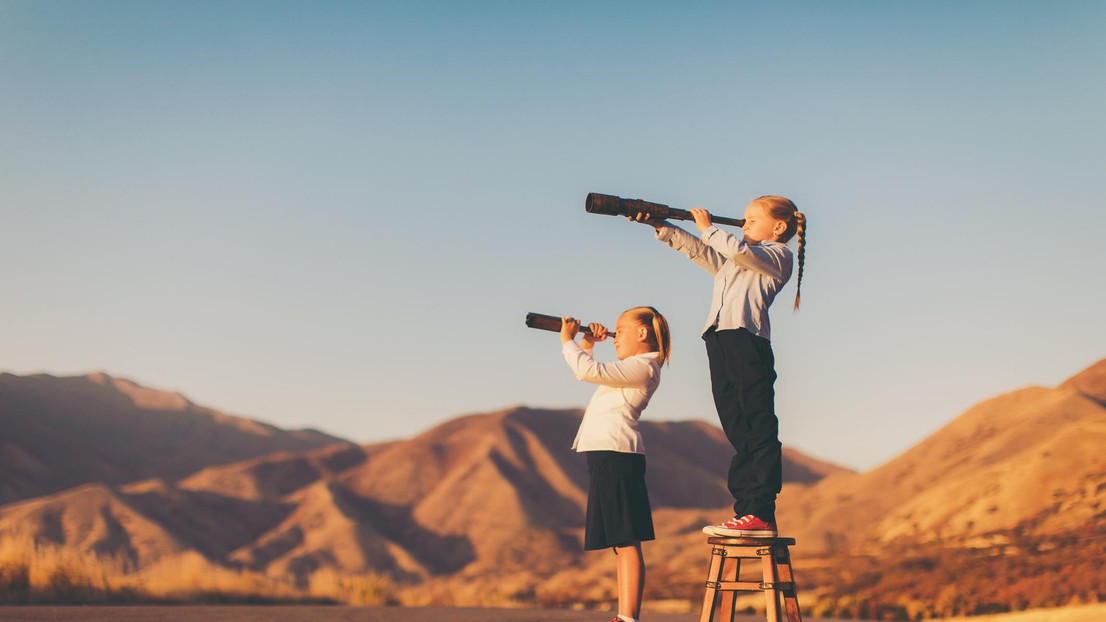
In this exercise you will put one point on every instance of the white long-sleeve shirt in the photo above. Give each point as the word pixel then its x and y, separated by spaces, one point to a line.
pixel 747 277
pixel 625 386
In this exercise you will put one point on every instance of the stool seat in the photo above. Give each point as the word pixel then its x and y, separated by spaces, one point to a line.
pixel 728 541
pixel 776 579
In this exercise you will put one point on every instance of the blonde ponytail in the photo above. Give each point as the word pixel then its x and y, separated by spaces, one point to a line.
pixel 657 325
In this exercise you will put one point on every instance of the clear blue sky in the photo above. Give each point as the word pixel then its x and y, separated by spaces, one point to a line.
pixel 337 214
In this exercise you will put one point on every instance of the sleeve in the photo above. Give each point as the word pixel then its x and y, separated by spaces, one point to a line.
pixel 702 255
pixel 773 260
pixel 629 373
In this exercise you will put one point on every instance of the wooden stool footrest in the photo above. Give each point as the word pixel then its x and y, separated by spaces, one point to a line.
pixel 751 586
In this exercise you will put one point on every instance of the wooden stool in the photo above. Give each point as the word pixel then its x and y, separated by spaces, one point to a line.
pixel 724 577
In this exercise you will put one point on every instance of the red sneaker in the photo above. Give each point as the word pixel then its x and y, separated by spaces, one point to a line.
pixel 747 526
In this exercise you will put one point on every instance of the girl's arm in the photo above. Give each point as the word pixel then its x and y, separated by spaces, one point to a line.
pixel 630 373
pixel 633 372
pixel 570 326
pixel 702 255
pixel 598 332
pixel 774 260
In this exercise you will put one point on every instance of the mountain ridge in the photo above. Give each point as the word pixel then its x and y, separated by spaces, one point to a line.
pixel 451 499
pixel 62 432
pixel 444 509
pixel 998 465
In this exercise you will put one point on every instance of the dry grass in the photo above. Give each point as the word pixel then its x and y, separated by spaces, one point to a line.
pixel 190 577
pixel 1075 613
pixel 42 573
pixel 33 574
pixel 367 589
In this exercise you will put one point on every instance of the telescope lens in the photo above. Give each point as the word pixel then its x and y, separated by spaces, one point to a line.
pixel 604 204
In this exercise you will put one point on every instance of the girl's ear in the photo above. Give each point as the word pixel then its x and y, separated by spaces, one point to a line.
pixel 642 334
pixel 779 228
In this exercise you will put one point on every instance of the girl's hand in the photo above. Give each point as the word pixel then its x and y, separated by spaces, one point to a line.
pixel 598 333
pixel 569 327
pixel 702 218
pixel 648 219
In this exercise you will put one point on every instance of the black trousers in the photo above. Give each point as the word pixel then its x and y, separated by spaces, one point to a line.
pixel 742 372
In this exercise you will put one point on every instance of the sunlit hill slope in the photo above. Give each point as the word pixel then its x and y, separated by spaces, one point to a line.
pixel 155 477
pixel 1001 509
pixel 1033 459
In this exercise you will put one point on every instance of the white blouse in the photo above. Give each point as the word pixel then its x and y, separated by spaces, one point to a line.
pixel 625 386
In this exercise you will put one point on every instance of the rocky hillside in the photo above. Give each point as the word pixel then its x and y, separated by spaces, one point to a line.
pixel 1000 509
pixel 1031 459
pixel 479 495
pixel 58 433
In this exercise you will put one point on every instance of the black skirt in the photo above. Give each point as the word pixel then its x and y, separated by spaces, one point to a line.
pixel 618 502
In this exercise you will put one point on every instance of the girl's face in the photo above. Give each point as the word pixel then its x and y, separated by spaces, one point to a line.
pixel 760 226
pixel 631 338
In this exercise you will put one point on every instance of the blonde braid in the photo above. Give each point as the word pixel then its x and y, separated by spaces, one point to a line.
pixel 800 221
pixel 782 208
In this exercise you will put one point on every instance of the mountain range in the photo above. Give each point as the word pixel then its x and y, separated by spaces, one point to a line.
pixel 62 432
pixel 102 464
pixel 1033 459
pixel 495 502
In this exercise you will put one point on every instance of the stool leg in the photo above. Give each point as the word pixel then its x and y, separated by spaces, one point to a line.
pixel 714 574
pixel 790 595
pixel 731 569
pixel 771 596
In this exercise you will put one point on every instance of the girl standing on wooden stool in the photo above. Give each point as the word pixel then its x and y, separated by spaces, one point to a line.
pixel 748 273
pixel 618 514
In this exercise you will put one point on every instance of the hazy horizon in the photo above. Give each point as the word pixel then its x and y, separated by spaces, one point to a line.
pixel 337 216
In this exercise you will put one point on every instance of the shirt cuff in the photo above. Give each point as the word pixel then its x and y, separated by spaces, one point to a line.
pixel 709 231
pixel 664 233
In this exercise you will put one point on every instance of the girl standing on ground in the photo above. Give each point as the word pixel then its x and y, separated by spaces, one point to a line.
pixel 748 273
pixel 618 514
